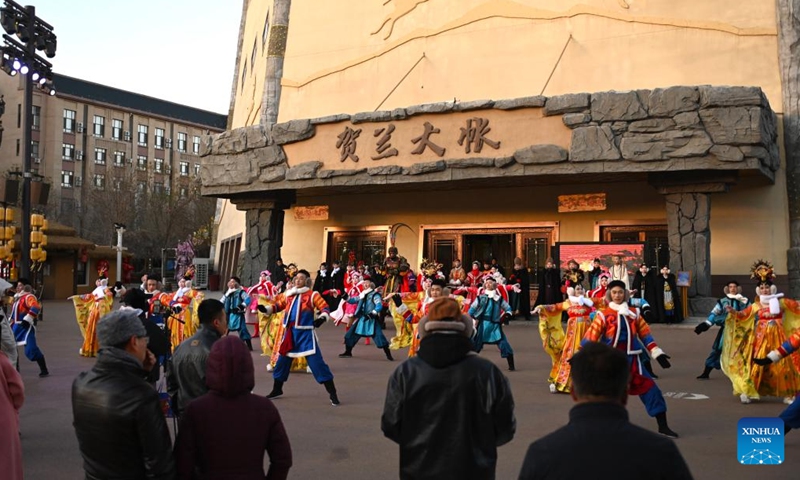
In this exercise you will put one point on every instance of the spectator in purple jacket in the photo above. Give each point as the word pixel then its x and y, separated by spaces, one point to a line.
pixel 211 447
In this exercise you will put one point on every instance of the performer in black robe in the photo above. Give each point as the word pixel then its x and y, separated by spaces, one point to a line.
pixel 549 285
pixel 668 303
pixel 521 302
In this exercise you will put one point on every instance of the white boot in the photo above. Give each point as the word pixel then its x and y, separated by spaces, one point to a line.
pixel 788 400
pixel 552 388
pixel 744 398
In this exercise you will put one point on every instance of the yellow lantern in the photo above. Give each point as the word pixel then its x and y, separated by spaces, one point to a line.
pixel 8 233
pixel 34 254
pixel 43 257
pixel 45 224
pixel 36 236
pixel 11 244
pixel 43 242
pixel 9 214
pixel 3 251
pixel 37 220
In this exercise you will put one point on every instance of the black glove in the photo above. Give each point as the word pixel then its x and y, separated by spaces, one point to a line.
pixel 647 313
pixel 397 300
pixel 319 321
pixel 177 309
pixel 663 360
pixel 701 327
pixel 762 361
pixel 262 309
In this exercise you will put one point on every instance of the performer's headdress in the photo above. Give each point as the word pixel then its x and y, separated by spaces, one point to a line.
pixel 763 272
pixel 265 273
pixel 605 275
pixel 571 261
pixel 616 283
pixel 102 268
pixel 429 268
pixel 475 262
pixel 189 273
pixel 439 281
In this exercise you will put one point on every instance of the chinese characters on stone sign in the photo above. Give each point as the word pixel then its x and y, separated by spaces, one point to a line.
pixel 473 138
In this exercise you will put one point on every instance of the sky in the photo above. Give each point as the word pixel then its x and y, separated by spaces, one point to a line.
pixel 183 51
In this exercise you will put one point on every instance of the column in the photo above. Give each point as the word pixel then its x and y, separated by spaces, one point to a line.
pixel 263 237
pixel 690 238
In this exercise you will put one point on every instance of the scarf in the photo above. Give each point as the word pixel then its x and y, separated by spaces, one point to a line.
pixel 622 310
pixel 773 302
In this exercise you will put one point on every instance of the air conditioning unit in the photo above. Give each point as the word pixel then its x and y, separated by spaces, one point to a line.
pixel 200 272
pixel 168 170
pixel 79 127
pixel 78 181
pixel 127 136
pixel 168 144
pixel 79 155
pixel 37 160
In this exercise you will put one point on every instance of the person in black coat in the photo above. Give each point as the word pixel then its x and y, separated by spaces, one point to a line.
pixel 279 277
pixel 522 300
pixel 599 432
pixel 644 285
pixel 159 342
pixel 668 304
pixel 549 285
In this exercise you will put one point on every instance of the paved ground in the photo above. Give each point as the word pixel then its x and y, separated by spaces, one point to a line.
pixel 346 442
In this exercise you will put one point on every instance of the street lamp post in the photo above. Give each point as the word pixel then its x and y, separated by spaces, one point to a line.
pixel 35 34
pixel 120 230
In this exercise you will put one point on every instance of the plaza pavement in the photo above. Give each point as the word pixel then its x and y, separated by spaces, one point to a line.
pixel 345 442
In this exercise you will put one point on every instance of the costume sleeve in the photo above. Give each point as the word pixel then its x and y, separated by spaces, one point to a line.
pixel 154 439
pixel 33 305
pixel 595 330
pixel 551 331
pixel 279 303
pixel 320 303
pixel 278 448
pixel 391 424
pixel 505 424
pixel 82 307
pixel 791 325
pixel 717 315
pixel 505 307
pixel 643 329
pixel 377 303
pixel 737 350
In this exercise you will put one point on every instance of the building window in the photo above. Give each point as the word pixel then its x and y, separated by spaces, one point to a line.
pixel 119 159
pixel 100 156
pixel 117 184
pixel 69 121
pixel 140 187
pixel 184 169
pixel 143 135
pixel 158 188
pixel 116 129
pixel 81 273
pixel 67 151
pixel 37 117
pixel 182 139
pixel 99 126
pixel 35 151
pixel 66 179
pixel 196 169
pixel 99 181
pixel 265 32
pixel 158 165
pixel 160 138
pixel 141 162
pixel 196 145
pixel 183 192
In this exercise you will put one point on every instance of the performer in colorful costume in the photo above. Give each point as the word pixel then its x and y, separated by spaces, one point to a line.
pixel 623 327
pixel 733 298
pixel 235 300
pixel 92 307
pixel 398 279
pixel 298 305
pixel 184 322
pixel 368 316
pixel 602 286
pixel 756 332
pixel 433 289
pixel 573 275
pixel 259 294
pixel 457 275
pixel 559 346
pixel 23 315
pixel 489 310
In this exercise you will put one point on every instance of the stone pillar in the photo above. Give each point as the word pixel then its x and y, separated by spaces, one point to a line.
pixel 270 101
pixel 263 238
pixel 788 17
pixel 690 238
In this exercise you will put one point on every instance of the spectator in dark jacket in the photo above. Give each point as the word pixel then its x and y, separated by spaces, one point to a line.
pixel 210 446
pixel 117 415
pixel 599 441
pixel 186 372
pixel 159 341
pixel 447 408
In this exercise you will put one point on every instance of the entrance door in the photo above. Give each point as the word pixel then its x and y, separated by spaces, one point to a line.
pixel 367 247
pixel 484 247
pixel 655 238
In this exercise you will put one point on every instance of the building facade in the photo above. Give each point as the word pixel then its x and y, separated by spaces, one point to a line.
pixel 463 129
pixel 89 138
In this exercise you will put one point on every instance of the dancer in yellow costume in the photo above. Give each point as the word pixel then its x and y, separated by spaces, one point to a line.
pixel 184 322
pixel 399 279
pixel 89 309
pixel 560 346
pixel 755 332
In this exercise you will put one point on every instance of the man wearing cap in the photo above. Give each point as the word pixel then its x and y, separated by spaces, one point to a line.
pixel 444 429
pixel 623 328
pixel 117 415
pixel 23 313
pixel 186 372
pixel 489 310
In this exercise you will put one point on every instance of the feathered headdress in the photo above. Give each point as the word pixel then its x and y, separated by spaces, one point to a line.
pixel 189 273
pixel 763 272
pixel 102 268
pixel 429 268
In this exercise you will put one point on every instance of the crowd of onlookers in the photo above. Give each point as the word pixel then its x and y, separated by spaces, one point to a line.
pixel 447 408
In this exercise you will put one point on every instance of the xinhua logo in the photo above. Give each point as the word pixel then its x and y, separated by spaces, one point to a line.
pixel 760 441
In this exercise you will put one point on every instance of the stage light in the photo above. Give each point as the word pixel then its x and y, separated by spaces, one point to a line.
pixel 35 76
pixel 24 70
pixel 17 64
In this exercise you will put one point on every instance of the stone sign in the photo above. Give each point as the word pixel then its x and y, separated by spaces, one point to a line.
pixel 319 212
pixel 589 202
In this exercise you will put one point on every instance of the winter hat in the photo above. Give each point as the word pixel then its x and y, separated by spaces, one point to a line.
pixel 118 327
pixel 444 316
